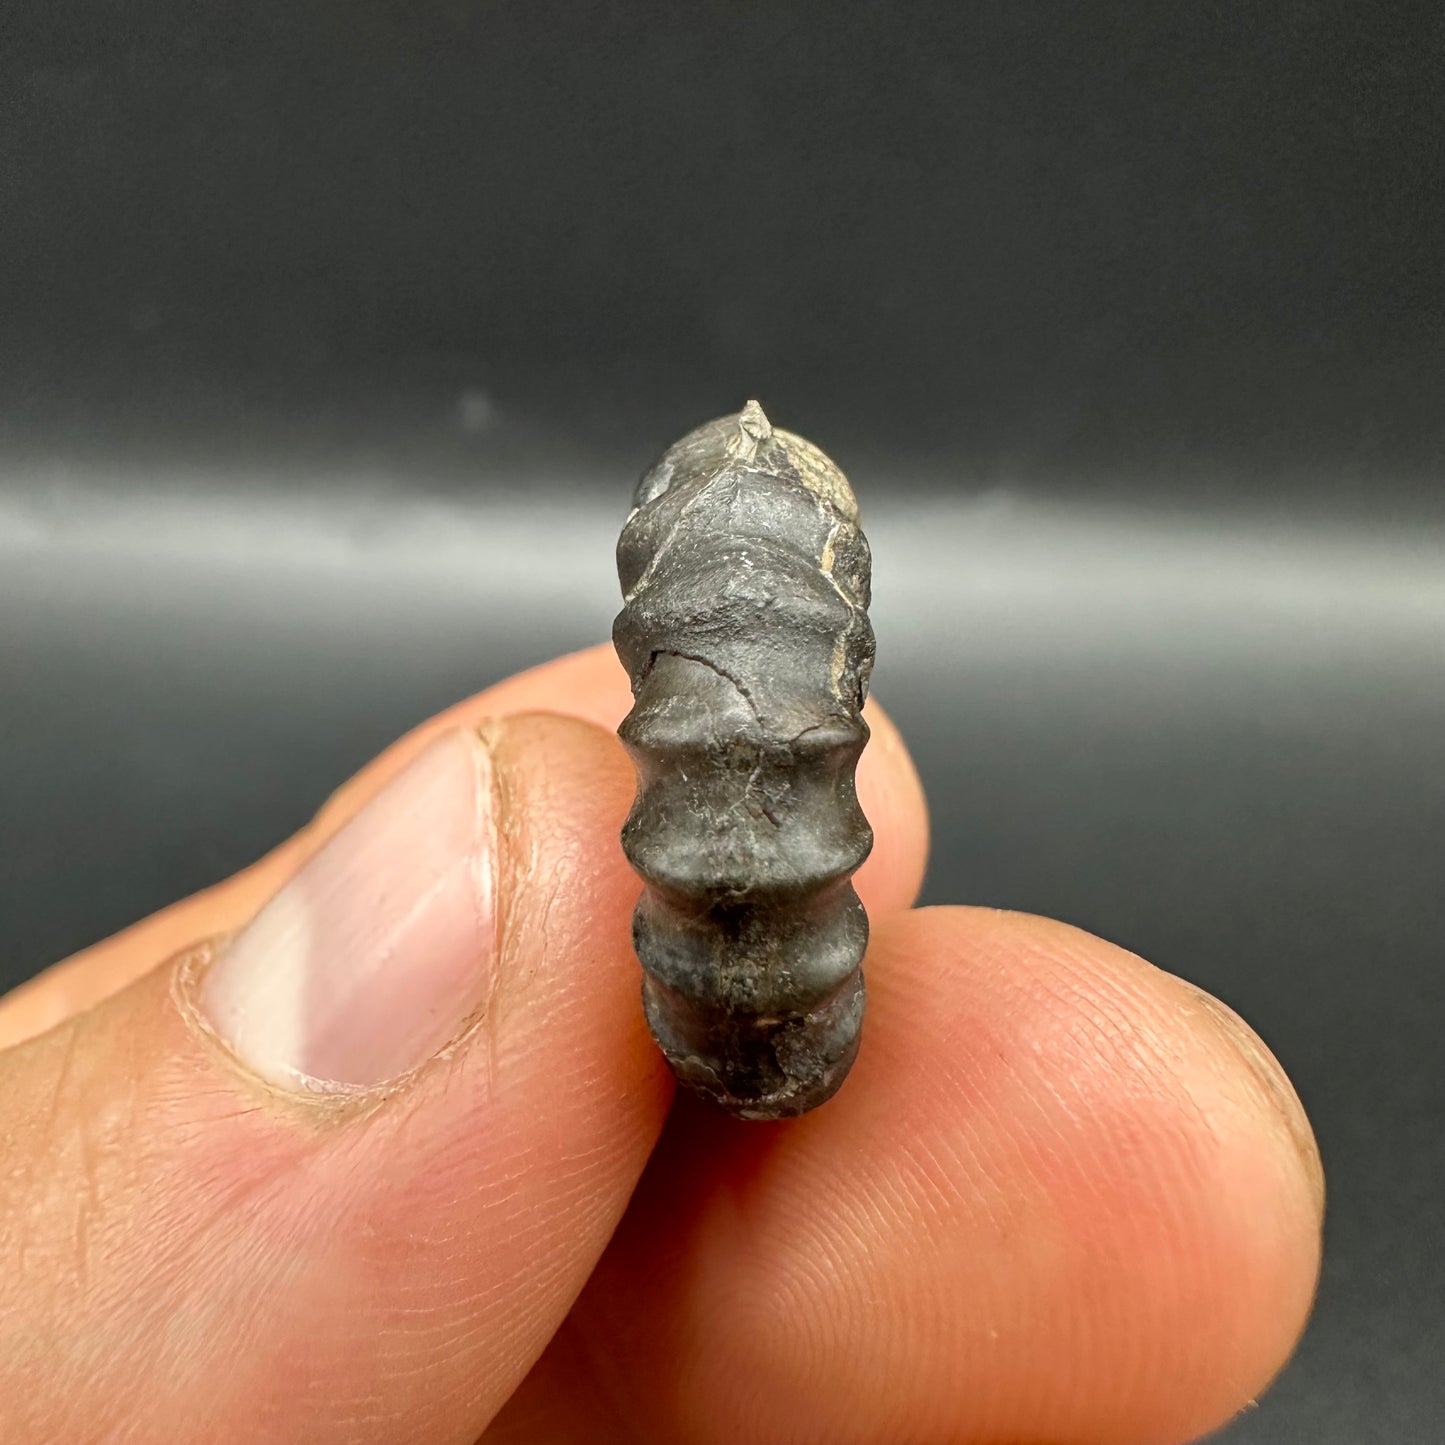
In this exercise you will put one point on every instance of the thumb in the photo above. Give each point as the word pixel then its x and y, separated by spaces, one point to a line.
pixel 341 1178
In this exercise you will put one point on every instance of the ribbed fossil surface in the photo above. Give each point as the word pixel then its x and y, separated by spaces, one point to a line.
pixel 745 631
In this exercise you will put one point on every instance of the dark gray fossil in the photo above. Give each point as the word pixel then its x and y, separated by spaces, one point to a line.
pixel 745 631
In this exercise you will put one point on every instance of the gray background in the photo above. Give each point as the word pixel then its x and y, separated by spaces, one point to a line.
pixel 332 337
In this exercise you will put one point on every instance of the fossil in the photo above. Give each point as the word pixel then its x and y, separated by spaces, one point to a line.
pixel 745 631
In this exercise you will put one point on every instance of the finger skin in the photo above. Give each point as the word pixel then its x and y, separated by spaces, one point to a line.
pixel 1059 1200
pixel 590 685
pixel 188 1254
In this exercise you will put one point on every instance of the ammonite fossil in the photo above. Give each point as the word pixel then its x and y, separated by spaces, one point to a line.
pixel 745 631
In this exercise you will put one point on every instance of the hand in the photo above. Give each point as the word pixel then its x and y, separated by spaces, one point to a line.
pixel 398 1159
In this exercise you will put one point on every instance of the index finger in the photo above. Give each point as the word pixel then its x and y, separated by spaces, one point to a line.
pixel 1064 1197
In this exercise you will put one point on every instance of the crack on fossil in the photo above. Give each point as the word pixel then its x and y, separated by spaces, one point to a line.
pixel 712 667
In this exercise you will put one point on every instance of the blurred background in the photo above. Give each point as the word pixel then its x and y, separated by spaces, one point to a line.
pixel 333 337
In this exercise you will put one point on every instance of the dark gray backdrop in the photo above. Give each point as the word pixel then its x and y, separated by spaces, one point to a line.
pixel 332 336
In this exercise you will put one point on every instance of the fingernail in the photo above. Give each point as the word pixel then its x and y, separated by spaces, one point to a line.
pixel 1277 1088
pixel 379 950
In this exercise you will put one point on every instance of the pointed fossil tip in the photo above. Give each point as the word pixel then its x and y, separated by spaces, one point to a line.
pixel 754 428
pixel 753 420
